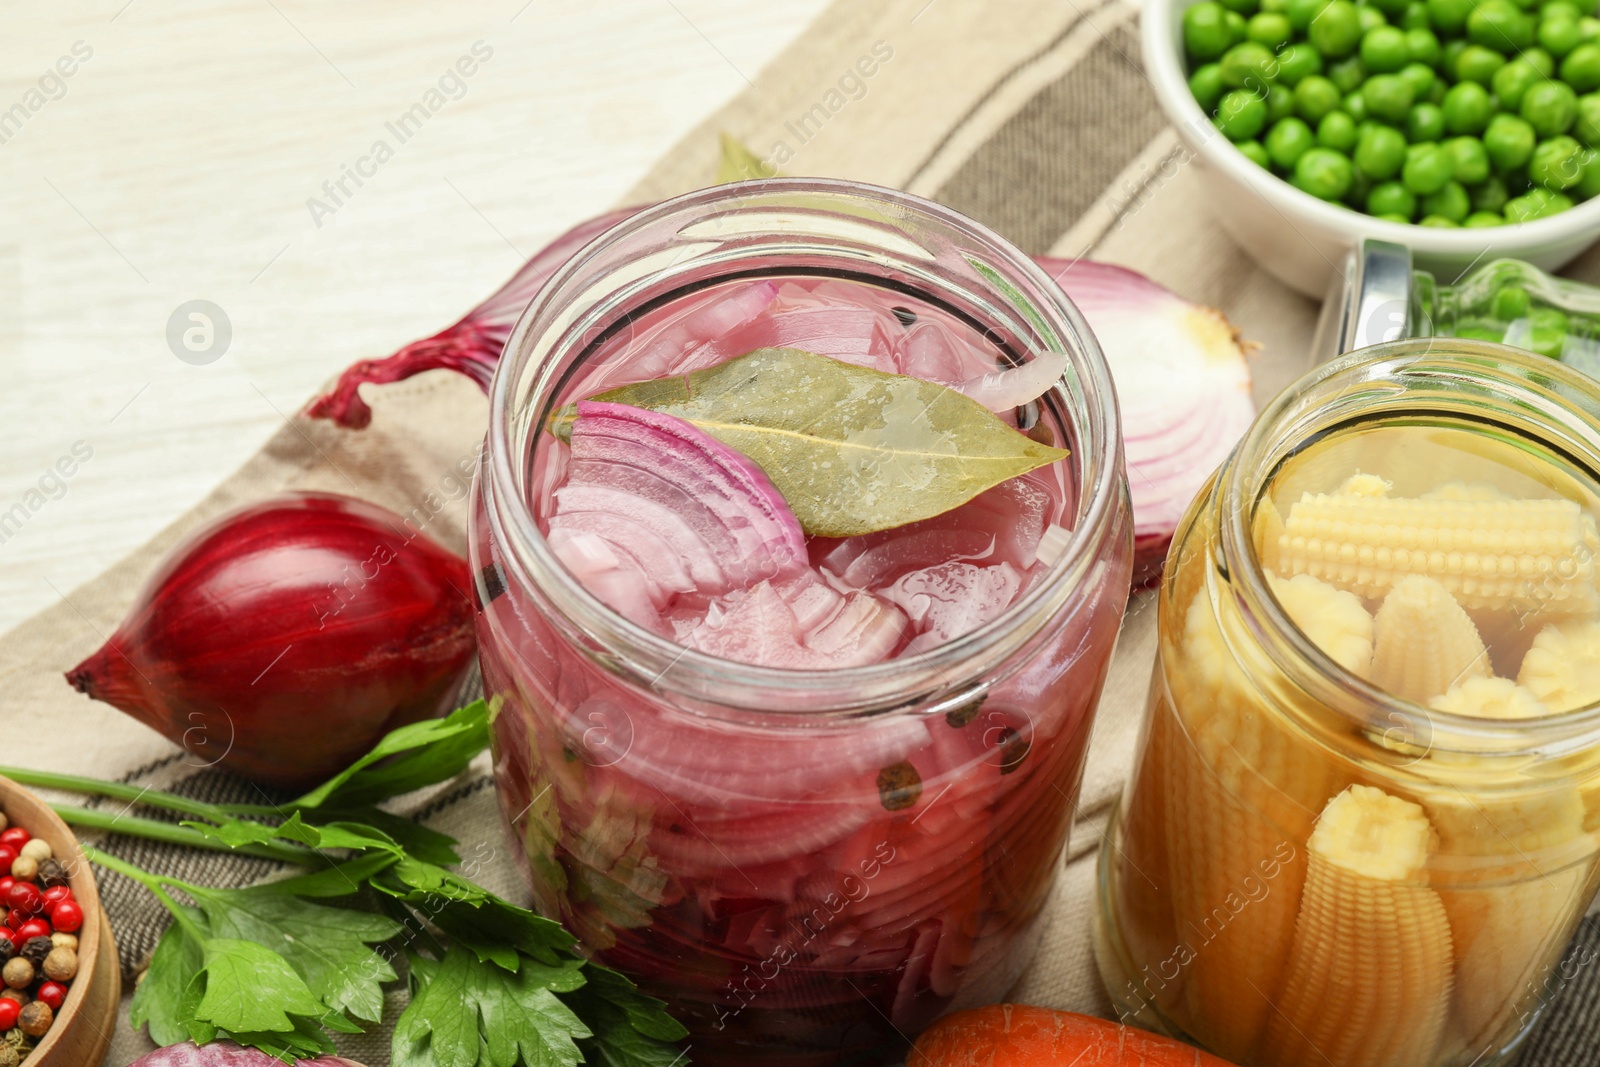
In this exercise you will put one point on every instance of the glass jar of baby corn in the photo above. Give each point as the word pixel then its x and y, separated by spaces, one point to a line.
pixel 1363 821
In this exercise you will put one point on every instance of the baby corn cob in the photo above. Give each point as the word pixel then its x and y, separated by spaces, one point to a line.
pixel 1523 555
pixel 1240 795
pixel 1368 981
pixel 1562 668
pixel 1489 698
pixel 1335 620
pixel 1423 642
pixel 1508 877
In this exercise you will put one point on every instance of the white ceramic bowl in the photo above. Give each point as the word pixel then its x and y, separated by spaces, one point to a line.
pixel 1304 240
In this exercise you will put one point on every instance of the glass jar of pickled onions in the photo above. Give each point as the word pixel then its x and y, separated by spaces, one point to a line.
pixel 1362 825
pixel 810 831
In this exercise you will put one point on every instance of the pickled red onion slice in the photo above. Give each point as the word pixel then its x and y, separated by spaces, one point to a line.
pixel 1003 390
pixel 950 600
pixel 759 626
pixel 665 509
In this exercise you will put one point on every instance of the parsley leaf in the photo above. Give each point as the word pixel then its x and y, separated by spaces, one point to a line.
pixel 328 947
pixel 250 987
pixel 465 1015
pixel 169 994
pixel 423 753
pixel 630 1029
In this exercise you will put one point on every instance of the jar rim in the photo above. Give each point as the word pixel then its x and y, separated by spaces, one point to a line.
pixel 1100 483
pixel 1558 398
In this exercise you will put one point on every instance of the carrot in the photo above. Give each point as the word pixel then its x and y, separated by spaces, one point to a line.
pixel 1016 1035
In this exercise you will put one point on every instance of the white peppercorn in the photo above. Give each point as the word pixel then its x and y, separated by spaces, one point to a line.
pixel 37 849
pixel 18 972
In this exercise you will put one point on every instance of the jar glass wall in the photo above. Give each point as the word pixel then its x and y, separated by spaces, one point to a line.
pixel 1361 827
pixel 808 865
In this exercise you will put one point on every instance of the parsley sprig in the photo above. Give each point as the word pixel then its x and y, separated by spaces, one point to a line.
pixel 284 965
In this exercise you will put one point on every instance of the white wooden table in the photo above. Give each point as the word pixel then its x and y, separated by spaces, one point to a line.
pixel 179 162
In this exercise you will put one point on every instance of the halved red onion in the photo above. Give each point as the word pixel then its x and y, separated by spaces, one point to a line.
pixel 653 506
pixel 1183 384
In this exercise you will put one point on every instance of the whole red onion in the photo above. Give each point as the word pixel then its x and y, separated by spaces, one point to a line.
pixel 283 640
pixel 226 1054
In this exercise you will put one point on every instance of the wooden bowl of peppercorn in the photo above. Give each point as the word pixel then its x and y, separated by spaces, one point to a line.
pixel 81 1030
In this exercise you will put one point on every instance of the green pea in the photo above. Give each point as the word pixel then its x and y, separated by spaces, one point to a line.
pixel 1556 163
pixel 1589 28
pixel 1500 25
pixel 1236 27
pixel 1248 65
pixel 1490 196
pixel 1449 16
pixel 1267 28
pixel 1467 108
pixel 1277 6
pixel 1560 35
pixel 1242 7
pixel 1450 201
pixel 1469 162
pixel 1509 303
pixel 1427 168
pixel 1315 97
pixel 1323 172
pixel 1380 151
pixel 1480 219
pixel 1509 140
pixel 1423 47
pixel 1337 130
pixel 1425 123
pixel 1560 9
pixel 1301 12
pixel 1371 18
pixel 1348 74
pixel 1392 217
pixel 1421 79
pixel 1241 115
pixel 1206 85
pixel 1280 104
pixel 1436 94
pixel 1478 64
pixel 1297 63
pixel 1356 105
pixel 1439 222
pixel 1416 17
pixel 1513 80
pixel 1581 68
pixel 1524 208
pixel 1392 8
pixel 1205 30
pixel 1337 31
pixel 1589 179
pixel 1288 140
pixel 1384 49
pixel 1550 108
pixel 1450 55
pixel 1389 97
pixel 1391 198
pixel 1255 153
pixel 1587 126
pixel 1542 61
pixel 1480 333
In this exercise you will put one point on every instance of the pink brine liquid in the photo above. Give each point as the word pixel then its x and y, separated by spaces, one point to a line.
pixel 804 890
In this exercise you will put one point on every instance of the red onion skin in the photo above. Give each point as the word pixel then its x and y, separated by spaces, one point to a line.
pixel 472 345
pixel 226 1054
pixel 282 641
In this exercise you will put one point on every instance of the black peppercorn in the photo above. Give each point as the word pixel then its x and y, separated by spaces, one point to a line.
pixel 52 874
pixel 36 949
pixel 7 949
